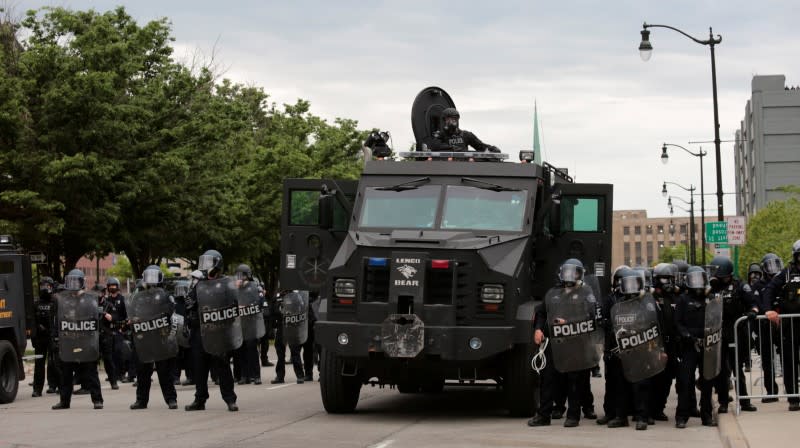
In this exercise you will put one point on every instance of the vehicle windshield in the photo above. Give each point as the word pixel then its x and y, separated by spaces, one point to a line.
pixel 413 208
pixel 476 208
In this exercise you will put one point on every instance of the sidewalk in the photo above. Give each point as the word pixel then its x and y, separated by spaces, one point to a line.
pixel 772 426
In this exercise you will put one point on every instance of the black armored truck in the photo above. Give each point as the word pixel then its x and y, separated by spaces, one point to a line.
pixel 426 271
pixel 16 315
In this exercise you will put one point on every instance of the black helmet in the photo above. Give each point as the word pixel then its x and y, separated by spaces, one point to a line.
pixel 74 280
pixel 617 275
pixel 152 276
pixel 210 261
pixel 631 282
pixel 696 278
pixel 450 117
pixel 571 272
pixel 796 252
pixel 754 270
pixel 680 277
pixel 664 275
pixel 243 272
pixel 112 283
pixel 723 266
pixel 771 264
pixel 46 285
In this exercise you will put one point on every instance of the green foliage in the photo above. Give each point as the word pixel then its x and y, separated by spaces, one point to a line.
pixel 773 229
pixel 122 269
pixel 681 252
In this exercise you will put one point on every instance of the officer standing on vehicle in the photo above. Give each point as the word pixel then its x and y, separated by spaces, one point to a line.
pixel 43 341
pixel 769 336
pixel 113 320
pixel 211 265
pixel 451 138
pixel 783 291
pixel 76 321
pixel 690 315
pixel 666 294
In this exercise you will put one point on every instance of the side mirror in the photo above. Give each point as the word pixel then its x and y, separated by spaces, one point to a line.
pixel 555 214
pixel 326 210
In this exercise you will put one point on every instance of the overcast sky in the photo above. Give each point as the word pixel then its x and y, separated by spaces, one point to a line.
pixel 604 113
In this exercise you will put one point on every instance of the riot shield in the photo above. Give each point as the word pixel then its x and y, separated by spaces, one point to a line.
pixel 220 326
pixel 250 312
pixel 154 335
pixel 181 331
pixel 641 347
pixel 78 326
pixel 575 337
pixel 295 317
pixel 712 338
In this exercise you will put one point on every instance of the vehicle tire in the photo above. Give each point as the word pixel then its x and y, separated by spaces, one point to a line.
pixel 521 383
pixel 408 387
pixel 339 393
pixel 9 372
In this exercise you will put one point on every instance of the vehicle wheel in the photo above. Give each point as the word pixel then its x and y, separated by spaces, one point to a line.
pixel 408 387
pixel 520 384
pixel 339 393
pixel 9 373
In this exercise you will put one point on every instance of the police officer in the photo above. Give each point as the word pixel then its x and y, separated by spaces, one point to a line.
pixel 184 359
pixel 153 278
pixel 690 323
pixel 280 349
pixel 611 362
pixel 112 322
pixel 665 291
pixel 783 292
pixel 309 347
pixel 87 371
pixel 211 265
pixel 247 354
pixel 42 342
pixel 576 383
pixel 736 302
pixel 451 138
pixel 769 336
pixel 270 322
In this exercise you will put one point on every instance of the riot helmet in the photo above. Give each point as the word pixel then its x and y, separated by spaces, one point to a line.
pixel 796 252
pixel 617 275
pixel 46 286
pixel 243 272
pixel 112 284
pixel 74 280
pixel 152 276
pixel 631 282
pixel 210 262
pixel 571 272
pixel 771 264
pixel 647 276
pixel 680 277
pixel 754 272
pixel 697 279
pixel 722 268
pixel 181 290
pixel 450 117
pixel 664 276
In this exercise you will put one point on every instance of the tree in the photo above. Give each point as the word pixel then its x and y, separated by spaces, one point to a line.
pixel 772 229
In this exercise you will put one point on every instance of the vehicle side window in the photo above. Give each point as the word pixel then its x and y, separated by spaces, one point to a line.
pixel 303 208
pixel 582 214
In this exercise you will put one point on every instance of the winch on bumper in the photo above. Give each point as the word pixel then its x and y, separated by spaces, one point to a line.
pixel 401 335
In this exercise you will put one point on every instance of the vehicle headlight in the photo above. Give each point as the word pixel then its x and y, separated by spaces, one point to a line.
pixel 345 287
pixel 492 293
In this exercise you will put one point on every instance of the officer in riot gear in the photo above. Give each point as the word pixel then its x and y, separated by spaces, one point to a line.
pixel 690 323
pixel 769 336
pixel 610 362
pixel 42 341
pixel 665 291
pixel 569 318
pixel 221 342
pixel 451 138
pixel 112 326
pixel 183 361
pixel 76 331
pixel 270 323
pixel 150 311
pixel 736 302
pixel 783 293
pixel 280 348
pixel 252 325
pixel 680 280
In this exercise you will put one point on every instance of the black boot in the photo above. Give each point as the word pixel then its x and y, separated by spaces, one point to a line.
pixel 138 405
pixel 538 420
pixel 618 422
pixel 748 407
pixel 36 393
pixel 60 405
pixel 196 406
pixel 232 407
pixel 172 404
pixel 277 381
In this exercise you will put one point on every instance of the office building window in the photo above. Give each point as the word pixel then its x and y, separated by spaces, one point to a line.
pixel 637 230
pixel 626 230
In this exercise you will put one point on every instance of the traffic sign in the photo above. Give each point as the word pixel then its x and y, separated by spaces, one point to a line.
pixel 722 250
pixel 716 232
pixel 736 230
pixel 38 257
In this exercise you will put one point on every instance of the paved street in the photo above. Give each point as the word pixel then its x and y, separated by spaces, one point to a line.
pixel 292 415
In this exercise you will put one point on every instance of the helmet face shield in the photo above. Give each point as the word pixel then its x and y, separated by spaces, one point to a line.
pixel 772 266
pixel 206 262
pixel 152 277
pixel 181 290
pixel 569 273
pixel 696 280
pixel 73 282
pixel 631 285
pixel 242 276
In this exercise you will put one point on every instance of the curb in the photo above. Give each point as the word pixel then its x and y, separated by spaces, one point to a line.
pixel 730 433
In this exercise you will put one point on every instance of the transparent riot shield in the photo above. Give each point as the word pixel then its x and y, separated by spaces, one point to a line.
pixel 181 331
pixel 250 312
pixel 78 326
pixel 220 326
pixel 154 335
pixel 295 317
pixel 641 347
pixel 712 338
pixel 575 338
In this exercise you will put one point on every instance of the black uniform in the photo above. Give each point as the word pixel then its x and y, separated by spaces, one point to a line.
pixel 294 350
pixel 111 338
pixel 736 302
pixel 783 292
pixel 202 362
pixel 661 383
pixel 769 336
pixel 310 347
pixel 183 361
pixel 44 346
pixel 459 141
pixel 690 316
pixel 86 371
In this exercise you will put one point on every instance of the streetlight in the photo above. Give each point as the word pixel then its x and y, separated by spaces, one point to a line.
pixel 700 154
pixel 645 51
pixel 690 203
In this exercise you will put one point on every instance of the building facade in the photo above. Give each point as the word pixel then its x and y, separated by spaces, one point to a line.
pixel 767 148
pixel 637 240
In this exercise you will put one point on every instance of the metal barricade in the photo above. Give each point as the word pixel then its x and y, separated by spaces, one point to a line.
pixel 773 351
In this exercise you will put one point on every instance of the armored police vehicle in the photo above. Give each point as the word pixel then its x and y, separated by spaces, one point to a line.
pixel 16 315
pixel 427 271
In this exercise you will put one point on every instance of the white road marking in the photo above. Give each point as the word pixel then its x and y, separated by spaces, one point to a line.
pixel 383 444
pixel 281 386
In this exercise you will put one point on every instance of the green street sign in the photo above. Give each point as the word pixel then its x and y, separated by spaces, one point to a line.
pixel 716 232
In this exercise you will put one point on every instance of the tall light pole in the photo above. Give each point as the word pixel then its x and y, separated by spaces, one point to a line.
pixel 645 51
pixel 700 155
pixel 690 203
